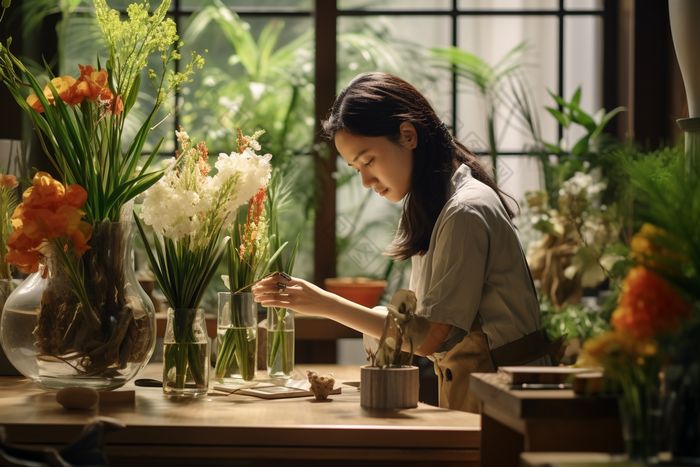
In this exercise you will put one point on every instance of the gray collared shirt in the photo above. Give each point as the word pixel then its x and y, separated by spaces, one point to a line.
pixel 475 263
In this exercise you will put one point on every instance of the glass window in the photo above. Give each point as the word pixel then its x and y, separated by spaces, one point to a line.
pixel 508 4
pixel 583 4
pixel 394 5
pixel 583 67
pixel 258 5
pixel 491 38
pixel 365 222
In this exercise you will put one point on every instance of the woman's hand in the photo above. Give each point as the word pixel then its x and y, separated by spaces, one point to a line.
pixel 295 294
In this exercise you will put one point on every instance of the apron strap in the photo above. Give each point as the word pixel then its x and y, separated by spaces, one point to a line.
pixel 529 348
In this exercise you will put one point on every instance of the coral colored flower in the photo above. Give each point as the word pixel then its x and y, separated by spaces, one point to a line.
pixel 648 305
pixel 9 181
pixel 25 261
pixel 48 211
pixel 44 192
pixel 117 106
pixel 94 85
pixel 647 248
pixel 65 86
pixel 80 237
pixel 616 346
pixel 34 103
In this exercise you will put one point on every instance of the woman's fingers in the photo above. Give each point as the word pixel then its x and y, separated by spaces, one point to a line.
pixel 276 300
pixel 274 280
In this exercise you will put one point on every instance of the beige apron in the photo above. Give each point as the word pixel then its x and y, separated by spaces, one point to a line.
pixel 472 355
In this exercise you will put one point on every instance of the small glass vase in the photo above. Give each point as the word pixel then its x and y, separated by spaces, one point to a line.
pixel 186 353
pixel 280 343
pixel 237 338
pixel 640 411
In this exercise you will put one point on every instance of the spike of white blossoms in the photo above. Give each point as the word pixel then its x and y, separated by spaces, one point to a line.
pixel 186 201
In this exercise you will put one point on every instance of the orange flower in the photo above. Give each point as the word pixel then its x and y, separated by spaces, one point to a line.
pixel 9 181
pixel 48 211
pixel 65 86
pixel 25 261
pixel 646 247
pixel 616 346
pixel 44 192
pixel 80 237
pixel 648 305
pixel 75 196
pixel 94 84
pixel 34 103
pixel 117 106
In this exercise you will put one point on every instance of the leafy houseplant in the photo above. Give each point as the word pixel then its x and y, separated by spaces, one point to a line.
pixel 491 82
pixel 656 319
pixel 189 211
pixel 84 327
pixel 389 381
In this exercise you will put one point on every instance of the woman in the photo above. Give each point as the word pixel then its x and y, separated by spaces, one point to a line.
pixel 469 272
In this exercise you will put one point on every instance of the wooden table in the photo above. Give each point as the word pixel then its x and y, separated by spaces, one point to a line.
pixel 213 430
pixel 514 421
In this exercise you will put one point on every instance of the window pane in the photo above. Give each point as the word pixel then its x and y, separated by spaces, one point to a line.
pixel 508 4
pixel 583 5
pixel 237 89
pixel 583 66
pixel 491 38
pixel 389 44
pixel 394 5
pixel 365 221
pixel 258 4
pixel 121 5
pixel 517 175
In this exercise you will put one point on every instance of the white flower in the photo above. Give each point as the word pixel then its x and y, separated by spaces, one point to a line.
pixel 186 203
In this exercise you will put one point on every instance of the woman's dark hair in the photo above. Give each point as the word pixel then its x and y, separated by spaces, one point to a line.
pixel 375 104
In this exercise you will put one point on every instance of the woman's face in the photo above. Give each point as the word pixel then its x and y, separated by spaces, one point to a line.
pixel 383 165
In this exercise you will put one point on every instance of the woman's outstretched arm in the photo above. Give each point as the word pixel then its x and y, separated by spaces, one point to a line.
pixel 304 297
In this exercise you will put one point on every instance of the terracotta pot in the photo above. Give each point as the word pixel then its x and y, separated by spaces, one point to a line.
pixel 360 290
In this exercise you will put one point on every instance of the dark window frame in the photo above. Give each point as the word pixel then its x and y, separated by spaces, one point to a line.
pixel 326 14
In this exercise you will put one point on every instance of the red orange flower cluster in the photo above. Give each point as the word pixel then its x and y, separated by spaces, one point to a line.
pixel 92 85
pixel 255 210
pixel 48 211
pixel 8 181
pixel 648 305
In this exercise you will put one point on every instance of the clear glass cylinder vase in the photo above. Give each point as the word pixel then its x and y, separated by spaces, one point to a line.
pixel 280 343
pixel 237 338
pixel 52 337
pixel 186 353
pixel 640 412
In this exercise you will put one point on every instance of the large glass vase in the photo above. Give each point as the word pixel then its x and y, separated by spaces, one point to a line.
pixel 50 337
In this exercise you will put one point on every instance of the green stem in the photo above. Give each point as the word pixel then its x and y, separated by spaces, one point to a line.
pixel 235 347
pixel 183 355
pixel 76 280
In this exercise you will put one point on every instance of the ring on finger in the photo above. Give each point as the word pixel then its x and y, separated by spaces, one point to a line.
pixel 281 287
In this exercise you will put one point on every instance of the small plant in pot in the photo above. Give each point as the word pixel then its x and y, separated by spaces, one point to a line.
pixel 389 381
